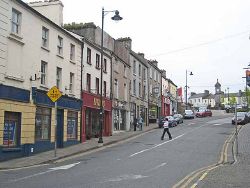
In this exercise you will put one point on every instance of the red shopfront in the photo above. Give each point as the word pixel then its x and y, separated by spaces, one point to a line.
pixel 90 116
pixel 165 106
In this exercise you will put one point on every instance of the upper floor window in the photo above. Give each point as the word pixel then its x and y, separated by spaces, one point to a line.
pixel 45 37
pixel 105 65
pixel 125 71
pixel 72 52
pixel 134 67
pixel 60 46
pixel 97 86
pixel 144 73
pixel 134 87
pixel 97 60
pixel 139 69
pixel 58 77
pixel 71 82
pixel 16 22
pixel 125 92
pixel 150 72
pixel 139 89
pixel 105 88
pixel 43 73
pixel 88 86
pixel 116 88
pixel 89 56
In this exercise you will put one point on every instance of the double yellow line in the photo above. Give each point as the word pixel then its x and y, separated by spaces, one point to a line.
pixel 203 172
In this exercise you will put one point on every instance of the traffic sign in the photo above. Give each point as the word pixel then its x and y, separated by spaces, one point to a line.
pixel 54 94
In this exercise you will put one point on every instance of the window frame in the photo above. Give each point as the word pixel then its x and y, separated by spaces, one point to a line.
pixel 72 52
pixel 89 56
pixel 72 116
pixel 44 73
pixel 45 112
pixel 16 24
pixel 88 83
pixel 58 77
pixel 60 46
pixel 45 37
pixel 71 82
pixel 97 61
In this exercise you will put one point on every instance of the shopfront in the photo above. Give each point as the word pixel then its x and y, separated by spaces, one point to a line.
pixel 91 116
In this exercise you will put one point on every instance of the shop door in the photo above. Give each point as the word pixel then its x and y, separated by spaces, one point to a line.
pixel 59 132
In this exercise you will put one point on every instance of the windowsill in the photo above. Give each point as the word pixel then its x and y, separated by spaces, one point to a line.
pixel 20 79
pixel 44 87
pixel 16 38
pixel 104 71
pixel 72 61
pixel 89 63
pixel 116 71
pixel 98 68
pixel 71 94
pixel 45 48
pixel 58 55
pixel 14 149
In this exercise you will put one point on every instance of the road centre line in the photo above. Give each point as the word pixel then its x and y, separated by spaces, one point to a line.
pixel 148 149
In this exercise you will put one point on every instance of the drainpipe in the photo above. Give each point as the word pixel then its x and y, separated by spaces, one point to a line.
pixel 81 120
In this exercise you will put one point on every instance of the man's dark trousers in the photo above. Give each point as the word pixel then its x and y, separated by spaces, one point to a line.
pixel 164 131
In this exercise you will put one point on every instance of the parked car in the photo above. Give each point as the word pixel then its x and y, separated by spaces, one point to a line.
pixel 188 114
pixel 241 118
pixel 178 118
pixel 171 121
pixel 204 113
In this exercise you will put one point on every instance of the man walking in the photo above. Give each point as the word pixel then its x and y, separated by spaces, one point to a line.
pixel 166 129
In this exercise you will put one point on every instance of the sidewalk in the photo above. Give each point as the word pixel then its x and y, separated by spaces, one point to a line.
pixel 89 145
pixel 237 174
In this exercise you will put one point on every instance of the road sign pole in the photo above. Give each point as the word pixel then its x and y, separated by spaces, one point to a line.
pixel 236 131
pixel 55 127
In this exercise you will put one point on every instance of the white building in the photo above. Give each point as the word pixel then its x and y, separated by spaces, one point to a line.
pixel 37 54
pixel 203 100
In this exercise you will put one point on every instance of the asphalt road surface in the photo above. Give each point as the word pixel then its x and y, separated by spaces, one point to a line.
pixel 143 162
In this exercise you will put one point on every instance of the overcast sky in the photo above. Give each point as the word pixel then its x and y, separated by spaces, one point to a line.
pixel 208 37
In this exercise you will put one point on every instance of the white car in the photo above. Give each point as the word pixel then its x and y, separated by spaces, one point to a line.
pixel 189 114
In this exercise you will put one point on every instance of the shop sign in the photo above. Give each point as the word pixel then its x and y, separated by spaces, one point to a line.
pixel 248 77
pixel 97 102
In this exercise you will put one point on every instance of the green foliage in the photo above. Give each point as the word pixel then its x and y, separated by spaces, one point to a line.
pixel 73 26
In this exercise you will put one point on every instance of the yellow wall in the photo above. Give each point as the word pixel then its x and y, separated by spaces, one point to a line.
pixel 27 111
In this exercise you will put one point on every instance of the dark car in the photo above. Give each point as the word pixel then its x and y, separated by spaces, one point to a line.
pixel 178 118
pixel 171 121
pixel 241 118
pixel 204 113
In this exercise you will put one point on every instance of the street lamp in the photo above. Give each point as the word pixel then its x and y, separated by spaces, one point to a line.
pixel 116 17
pixel 228 95
pixel 187 87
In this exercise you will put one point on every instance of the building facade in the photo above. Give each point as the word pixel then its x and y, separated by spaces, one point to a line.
pixel 154 102
pixel 31 65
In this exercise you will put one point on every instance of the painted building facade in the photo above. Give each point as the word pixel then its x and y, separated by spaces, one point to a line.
pixel 30 66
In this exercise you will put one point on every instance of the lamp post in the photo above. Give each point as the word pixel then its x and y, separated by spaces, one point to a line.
pixel 228 95
pixel 116 17
pixel 187 87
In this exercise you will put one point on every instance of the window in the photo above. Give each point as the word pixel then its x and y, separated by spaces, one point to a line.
pixel 134 67
pixel 72 52
pixel 134 87
pixel 89 56
pixel 45 37
pixel 125 71
pixel 71 82
pixel 88 87
pixel 150 72
pixel 116 89
pixel 12 129
pixel 16 22
pixel 144 74
pixel 139 89
pixel 43 123
pixel 144 92
pixel 97 59
pixel 97 86
pixel 60 46
pixel 58 77
pixel 140 70
pixel 72 125
pixel 104 65
pixel 125 92
pixel 43 73
pixel 105 88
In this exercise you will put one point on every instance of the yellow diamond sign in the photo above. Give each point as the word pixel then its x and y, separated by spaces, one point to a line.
pixel 54 94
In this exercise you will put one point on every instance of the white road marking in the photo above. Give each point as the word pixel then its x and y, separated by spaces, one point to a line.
pixel 125 177
pixel 65 167
pixel 217 124
pixel 156 167
pixel 142 151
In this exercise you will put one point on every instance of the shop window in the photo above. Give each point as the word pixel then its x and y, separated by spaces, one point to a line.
pixel 43 123
pixel 72 125
pixel 12 129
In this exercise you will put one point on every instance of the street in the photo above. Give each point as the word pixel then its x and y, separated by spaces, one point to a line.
pixel 145 161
